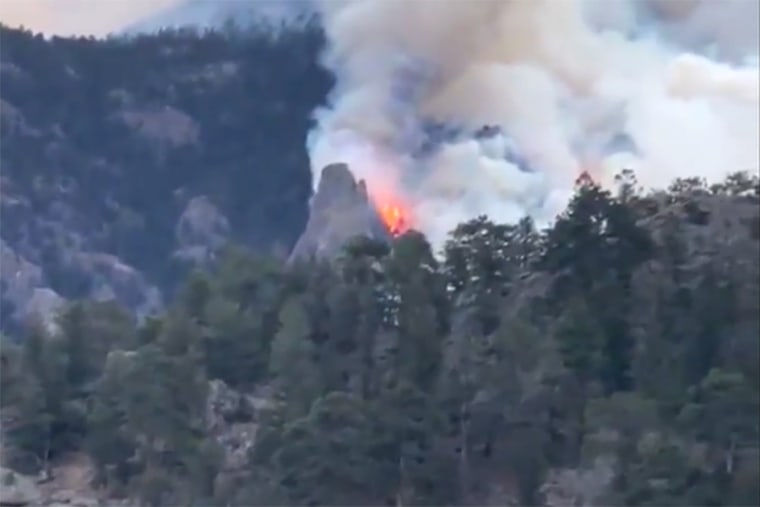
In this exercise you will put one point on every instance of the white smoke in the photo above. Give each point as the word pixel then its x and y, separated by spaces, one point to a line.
pixel 564 79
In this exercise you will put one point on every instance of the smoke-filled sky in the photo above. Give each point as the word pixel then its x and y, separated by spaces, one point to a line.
pixel 668 88
pixel 78 17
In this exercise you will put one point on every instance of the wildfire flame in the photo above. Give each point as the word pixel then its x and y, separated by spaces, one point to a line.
pixel 394 216
pixel 389 201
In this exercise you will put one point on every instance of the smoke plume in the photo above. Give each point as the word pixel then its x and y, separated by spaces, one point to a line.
pixel 666 88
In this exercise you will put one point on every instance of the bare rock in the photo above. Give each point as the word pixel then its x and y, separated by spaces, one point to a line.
pixel 44 304
pixel 214 73
pixel 167 125
pixel 237 442
pixel 229 417
pixel 112 279
pixel 581 487
pixel 17 490
pixel 200 231
pixel 339 211
pixel 71 499
pixel 19 278
pixel 224 405
pixel 12 120
pixel 70 484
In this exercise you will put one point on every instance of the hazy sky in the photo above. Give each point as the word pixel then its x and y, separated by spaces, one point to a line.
pixel 85 17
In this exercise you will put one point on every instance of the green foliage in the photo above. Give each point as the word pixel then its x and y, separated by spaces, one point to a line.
pixel 90 330
pixel 234 310
pixel 396 377
pixel 581 342
pixel 722 411
pixel 26 423
pixel 592 252
pixel 291 363
pixel 147 423
pixel 325 458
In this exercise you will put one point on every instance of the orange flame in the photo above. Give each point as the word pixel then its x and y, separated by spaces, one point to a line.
pixel 393 218
pixel 394 215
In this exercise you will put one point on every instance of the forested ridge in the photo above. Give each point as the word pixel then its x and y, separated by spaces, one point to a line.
pixel 241 115
pixel 611 359
pixel 108 144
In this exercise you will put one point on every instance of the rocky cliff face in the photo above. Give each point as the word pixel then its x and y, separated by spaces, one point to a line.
pixel 339 210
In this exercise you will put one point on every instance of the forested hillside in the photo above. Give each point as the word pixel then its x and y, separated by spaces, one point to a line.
pixel 609 360
pixel 124 158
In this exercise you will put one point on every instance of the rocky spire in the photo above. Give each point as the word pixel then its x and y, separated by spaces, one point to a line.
pixel 339 210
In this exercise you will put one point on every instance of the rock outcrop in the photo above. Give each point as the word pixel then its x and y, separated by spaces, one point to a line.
pixel 67 486
pixel 166 125
pixel 44 304
pixel 201 230
pixel 20 278
pixel 17 490
pixel 112 279
pixel 339 211
pixel 232 418
pixel 26 293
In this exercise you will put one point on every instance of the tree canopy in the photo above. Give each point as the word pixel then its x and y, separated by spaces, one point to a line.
pixel 400 376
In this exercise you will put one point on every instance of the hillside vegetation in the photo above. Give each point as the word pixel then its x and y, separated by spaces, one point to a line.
pixel 609 360
pixel 108 144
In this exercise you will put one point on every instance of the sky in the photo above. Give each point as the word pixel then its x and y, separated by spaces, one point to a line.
pixel 78 17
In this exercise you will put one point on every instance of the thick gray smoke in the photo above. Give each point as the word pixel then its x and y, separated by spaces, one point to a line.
pixel 667 88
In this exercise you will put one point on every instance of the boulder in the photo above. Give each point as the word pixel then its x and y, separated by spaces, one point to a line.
pixel 17 490
pixel 230 419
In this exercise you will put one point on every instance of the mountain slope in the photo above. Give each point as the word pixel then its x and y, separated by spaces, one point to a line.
pixel 108 144
pixel 609 360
